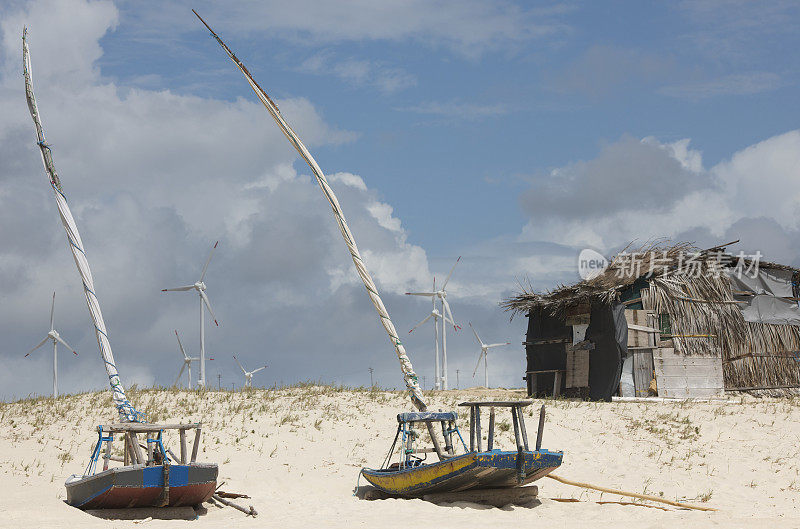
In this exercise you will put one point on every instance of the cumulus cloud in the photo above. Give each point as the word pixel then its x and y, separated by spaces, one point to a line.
pixel 652 176
pixel 153 178
pixel 647 189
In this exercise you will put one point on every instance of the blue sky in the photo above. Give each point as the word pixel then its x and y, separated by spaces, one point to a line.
pixel 514 134
pixel 451 129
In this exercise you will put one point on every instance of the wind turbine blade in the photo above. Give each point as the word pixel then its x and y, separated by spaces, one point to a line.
pixel 498 344
pixel 451 273
pixel 208 306
pixel 240 365
pixel 203 275
pixel 38 346
pixel 428 294
pixel 257 370
pixel 52 312
pixel 65 344
pixel 476 334
pixel 449 313
pixel 478 364
pixel 185 356
pixel 178 289
pixel 179 375
pixel 420 323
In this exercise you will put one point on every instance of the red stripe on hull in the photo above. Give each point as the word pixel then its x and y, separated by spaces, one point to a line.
pixel 126 497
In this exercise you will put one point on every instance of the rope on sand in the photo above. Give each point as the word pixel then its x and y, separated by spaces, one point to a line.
pixel 629 494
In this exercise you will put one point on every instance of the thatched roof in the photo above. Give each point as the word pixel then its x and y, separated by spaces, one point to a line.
pixel 655 259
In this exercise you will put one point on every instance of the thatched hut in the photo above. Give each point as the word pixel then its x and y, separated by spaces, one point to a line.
pixel 678 321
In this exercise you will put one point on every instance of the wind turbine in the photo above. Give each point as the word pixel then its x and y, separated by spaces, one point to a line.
pixel 248 375
pixel 441 294
pixel 187 363
pixel 200 287
pixel 484 353
pixel 436 315
pixel 53 335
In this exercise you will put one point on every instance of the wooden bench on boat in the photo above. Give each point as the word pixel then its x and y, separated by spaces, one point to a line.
pixel 153 436
pixel 517 418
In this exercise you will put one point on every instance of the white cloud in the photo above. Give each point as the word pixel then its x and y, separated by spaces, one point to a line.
pixel 359 72
pixel 629 174
pixel 153 178
pixel 349 179
pixel 753 194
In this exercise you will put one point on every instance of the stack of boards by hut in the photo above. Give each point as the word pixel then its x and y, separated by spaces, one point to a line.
pixel 153 475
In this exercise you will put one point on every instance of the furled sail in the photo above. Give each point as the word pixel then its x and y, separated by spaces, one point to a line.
pixel 126 410
pixel 405 364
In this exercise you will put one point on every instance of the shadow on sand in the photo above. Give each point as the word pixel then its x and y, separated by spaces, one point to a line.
pixel 469 499
pixel 149 513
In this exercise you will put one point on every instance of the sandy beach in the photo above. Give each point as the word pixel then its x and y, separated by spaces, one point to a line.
pixel 297 452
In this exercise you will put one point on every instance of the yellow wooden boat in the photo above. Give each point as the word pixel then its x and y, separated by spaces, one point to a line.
pixel 476 468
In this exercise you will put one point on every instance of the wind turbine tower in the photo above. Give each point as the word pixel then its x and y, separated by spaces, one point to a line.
pixel 446 316
pixel 187 363
pixel 200 288
pixel 436 315
pixel 484 353
pixel 53 335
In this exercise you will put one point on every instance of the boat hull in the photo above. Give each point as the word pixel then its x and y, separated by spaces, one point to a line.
pixel 474 470
pixel 140 486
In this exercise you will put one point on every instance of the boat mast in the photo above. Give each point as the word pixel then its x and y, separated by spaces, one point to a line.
pixel 126 410
pixel 405 364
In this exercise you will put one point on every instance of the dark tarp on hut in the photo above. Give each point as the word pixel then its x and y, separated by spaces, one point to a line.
pixel 608 331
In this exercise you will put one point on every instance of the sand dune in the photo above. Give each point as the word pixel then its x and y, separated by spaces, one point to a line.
pixel 297 451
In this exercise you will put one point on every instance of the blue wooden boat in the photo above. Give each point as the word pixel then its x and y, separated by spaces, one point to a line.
pixel 476 468
pixel 151 476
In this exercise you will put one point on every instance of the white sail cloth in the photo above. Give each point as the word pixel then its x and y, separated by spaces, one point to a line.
pixel 126 411
pixel 405 364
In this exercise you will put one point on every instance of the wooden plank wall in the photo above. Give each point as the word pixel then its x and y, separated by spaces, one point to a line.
pixel 680 376
pixel 577 368
pixel 642 371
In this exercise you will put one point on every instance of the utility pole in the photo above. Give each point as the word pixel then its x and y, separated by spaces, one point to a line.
pixel 371 383
pixel 423 381
pixel 457 383
pixel 219 382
